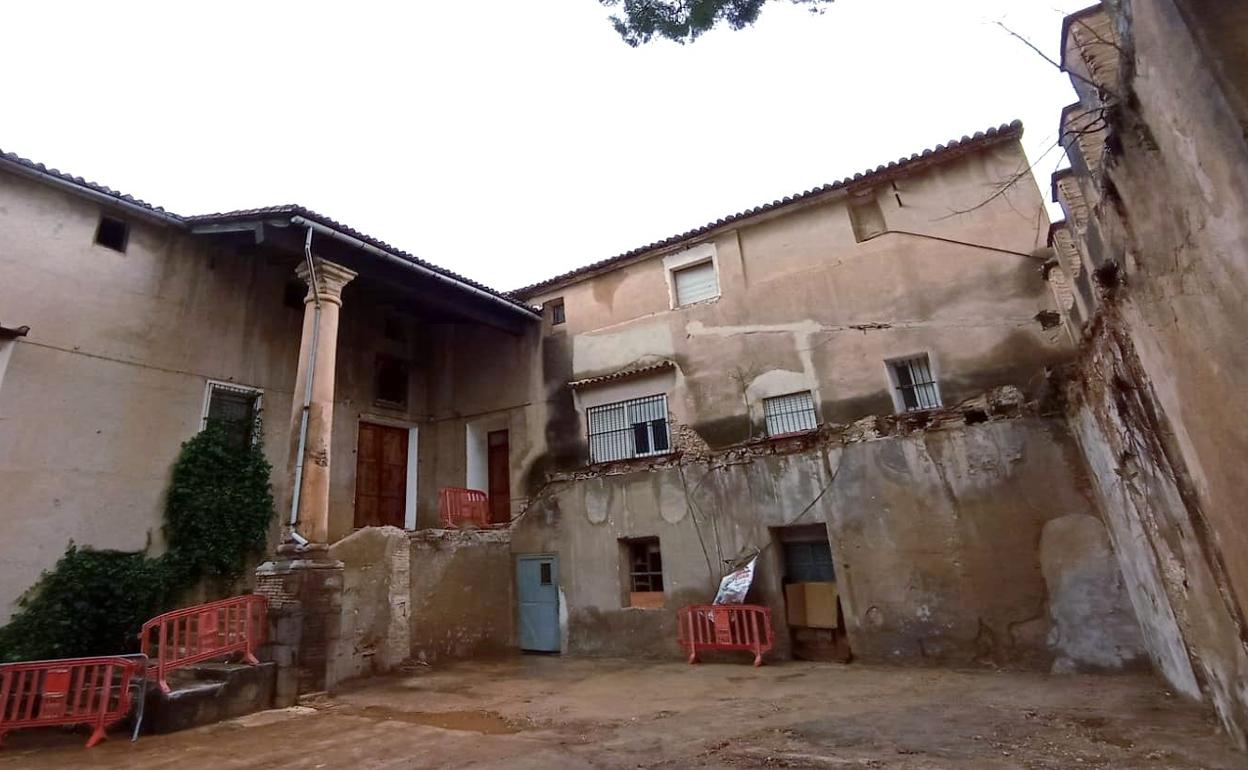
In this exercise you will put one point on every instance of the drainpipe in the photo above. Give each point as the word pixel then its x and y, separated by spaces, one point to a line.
pixel 307 393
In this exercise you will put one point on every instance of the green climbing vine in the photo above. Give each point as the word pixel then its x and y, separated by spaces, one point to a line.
pixel 93 602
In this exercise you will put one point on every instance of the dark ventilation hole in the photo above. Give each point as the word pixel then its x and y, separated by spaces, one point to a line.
pixel 974 416
pixel 112 233
pixel 1107 275
pixel 294 293
pixel 392 328
pixel 1048 319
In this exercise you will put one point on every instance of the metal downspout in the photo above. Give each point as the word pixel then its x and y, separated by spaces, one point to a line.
pixel 297 493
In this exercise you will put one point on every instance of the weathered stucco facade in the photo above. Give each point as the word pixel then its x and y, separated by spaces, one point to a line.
pixel 1001 431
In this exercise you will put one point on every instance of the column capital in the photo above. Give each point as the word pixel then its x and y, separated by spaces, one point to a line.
pixel 330 279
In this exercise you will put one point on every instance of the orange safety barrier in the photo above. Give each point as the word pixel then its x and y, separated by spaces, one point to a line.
pixel 205 631
pixel 45 693
pixel 726 627
pixel 458 507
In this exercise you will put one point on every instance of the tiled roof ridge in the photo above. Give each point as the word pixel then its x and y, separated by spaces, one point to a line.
pixel 121 197
pixel 1013 129
pixel 290 209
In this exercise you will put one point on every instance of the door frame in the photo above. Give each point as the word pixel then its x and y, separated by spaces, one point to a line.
pixel 413 462
pixel 559 608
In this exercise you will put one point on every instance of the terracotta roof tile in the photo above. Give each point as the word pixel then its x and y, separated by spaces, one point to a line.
pixel 623 374
pixel 1000 133
pixel 246 214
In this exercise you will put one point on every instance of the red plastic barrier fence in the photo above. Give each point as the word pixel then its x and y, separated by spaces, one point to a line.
pixel 205 631
pixel 458 507
pixel 44 693
pixel 726 627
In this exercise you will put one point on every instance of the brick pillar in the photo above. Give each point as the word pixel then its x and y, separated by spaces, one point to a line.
pixel 305 620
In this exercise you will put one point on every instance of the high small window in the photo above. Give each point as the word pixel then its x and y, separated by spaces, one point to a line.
pixel 794 413
pixel 557 313
pixel 914 386
pixel 293 293
pixel 644 563
pixel 625 429
pixel 695 283
pixel 235 409
pixel 866 217
pixel 391 380
pixel 112 233
pixel 392 328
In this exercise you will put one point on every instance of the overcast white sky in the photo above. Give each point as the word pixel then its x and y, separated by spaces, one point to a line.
pixel 502 139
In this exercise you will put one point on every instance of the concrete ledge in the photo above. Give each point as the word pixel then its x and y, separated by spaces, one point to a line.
pixel 209 693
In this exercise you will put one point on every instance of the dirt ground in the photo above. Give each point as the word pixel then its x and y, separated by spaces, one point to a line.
pixel 549 713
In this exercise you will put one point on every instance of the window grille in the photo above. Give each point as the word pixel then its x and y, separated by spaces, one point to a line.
pixel 809 562
pixel 793 413
pixel 557 313
pixel 645 565
pixel 695 283
pixel 235 409
pixel 916 388
pixel 625 429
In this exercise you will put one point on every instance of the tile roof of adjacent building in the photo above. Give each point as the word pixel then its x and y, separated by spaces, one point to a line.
pixel 290 210
pixel 623 374
pixel 940 152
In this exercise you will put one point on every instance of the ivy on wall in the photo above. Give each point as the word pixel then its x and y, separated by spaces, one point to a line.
pixel 217 515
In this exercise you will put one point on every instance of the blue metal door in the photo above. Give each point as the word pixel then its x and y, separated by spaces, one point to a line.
pixel 537 591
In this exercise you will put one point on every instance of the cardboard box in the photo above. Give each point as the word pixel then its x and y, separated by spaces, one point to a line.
pixel 795 601
pixel 821 605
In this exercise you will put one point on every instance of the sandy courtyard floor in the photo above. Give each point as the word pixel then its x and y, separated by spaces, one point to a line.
pixel 548 713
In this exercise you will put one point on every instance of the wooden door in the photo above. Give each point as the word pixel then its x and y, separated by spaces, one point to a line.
pixel 500 477
pixel 381 476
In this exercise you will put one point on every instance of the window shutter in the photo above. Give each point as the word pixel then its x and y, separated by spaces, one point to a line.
pixel 696 283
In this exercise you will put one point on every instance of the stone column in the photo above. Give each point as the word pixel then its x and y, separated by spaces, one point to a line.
pixel 322 332
pixel 303 584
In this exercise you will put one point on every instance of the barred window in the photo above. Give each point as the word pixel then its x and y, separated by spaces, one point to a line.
pixel 792 413
pixel 916 387
pixel 645 565
pixel 235 409
pixel 625 429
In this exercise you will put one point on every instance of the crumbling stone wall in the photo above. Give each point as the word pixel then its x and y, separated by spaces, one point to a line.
pixel 461 594
pixel 936 530
pixel 1157 399
pixel 375 630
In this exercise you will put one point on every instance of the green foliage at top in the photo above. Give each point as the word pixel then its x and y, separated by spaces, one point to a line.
pixel 639 21
pixel 217 514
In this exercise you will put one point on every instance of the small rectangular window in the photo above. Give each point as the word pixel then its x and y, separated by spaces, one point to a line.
pixel 545 577
pixel 914 385
pixel 794 413
pixel 644 565
pixel 557 313
pixel 112 233
pixel 391 381
pixel 695 283
pixel 866 217
pixel 235 409
pixel 393 328
pixel 625 429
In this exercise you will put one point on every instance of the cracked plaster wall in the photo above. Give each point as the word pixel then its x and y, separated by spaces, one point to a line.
pixel 936 536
